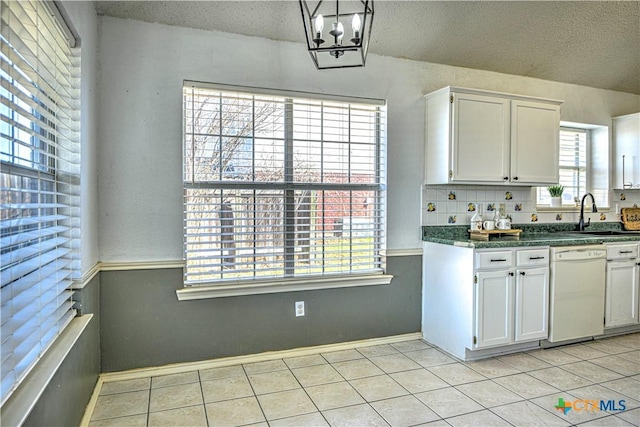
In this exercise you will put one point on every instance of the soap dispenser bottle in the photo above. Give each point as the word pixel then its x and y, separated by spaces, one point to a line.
pixel 476 219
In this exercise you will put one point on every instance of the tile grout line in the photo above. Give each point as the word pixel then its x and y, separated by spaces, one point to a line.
pixel 391 378
pixel 305 389
pixel 484 408
pixel 255 395
pixel 302 387
pixel 433 373
pixel 345 380
pixel 204 403
pixel 149 401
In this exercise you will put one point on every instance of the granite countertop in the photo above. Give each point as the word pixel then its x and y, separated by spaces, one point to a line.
pixel 532 235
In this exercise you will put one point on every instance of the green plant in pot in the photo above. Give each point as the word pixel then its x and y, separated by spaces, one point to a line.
pixel 556 195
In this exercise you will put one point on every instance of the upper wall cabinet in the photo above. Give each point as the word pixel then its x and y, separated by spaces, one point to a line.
pixel 626 148
pixel 477 137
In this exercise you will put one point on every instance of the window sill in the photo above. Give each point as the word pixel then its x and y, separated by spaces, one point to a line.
pixel 280 285
pixel 547 208
pixel 587 209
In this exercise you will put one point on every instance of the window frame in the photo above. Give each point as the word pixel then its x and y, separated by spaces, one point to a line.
pixel 589 169
pixel 289 281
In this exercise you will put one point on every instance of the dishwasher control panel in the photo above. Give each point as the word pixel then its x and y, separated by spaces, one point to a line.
pixel 571 253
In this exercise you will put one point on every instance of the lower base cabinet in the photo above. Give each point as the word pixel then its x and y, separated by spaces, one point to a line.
pixel 511 305
pixel 476 301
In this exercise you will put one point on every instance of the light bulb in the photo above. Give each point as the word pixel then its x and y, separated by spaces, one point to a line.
pixel 355 24
pixel 340 29
pixel 319 25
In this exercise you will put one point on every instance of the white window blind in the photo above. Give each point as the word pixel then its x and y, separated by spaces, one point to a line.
pixel 572 167
pixel 39 184
pixel 281 185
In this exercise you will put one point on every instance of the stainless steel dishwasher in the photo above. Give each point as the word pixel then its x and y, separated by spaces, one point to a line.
pixel 576 291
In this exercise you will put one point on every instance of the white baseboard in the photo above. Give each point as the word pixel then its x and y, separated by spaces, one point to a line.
pixel 91 405
pixel 252 358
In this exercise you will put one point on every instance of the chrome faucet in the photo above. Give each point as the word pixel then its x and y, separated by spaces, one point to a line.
pixel 581 224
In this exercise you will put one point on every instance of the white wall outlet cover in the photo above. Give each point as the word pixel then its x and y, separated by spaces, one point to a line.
pixel 299 308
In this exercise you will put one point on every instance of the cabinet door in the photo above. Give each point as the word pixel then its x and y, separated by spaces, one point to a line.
pixel 535 133
pixel 621 294
pixel 493 308
pixel 532 304
pixel 479 139
pixel 626 140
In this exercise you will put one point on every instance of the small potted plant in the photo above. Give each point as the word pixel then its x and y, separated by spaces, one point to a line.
pixel 556 195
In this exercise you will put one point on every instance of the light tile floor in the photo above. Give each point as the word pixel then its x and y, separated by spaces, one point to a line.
pixel 403 384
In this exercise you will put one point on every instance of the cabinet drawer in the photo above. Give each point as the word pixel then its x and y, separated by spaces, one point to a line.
pixel 622 251
pixel 532 258
pixel 494 259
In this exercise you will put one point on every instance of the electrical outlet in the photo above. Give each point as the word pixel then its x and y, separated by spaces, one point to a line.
pixel 299 307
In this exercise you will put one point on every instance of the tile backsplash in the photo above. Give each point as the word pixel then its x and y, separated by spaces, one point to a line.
pixel 456 204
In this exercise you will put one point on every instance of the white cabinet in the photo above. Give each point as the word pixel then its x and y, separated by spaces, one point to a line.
pixel 476 302
pixel 622 286
pixel 535 139
pixel 482 137
pixel 532 303
pixel 511 304
pixel 626 149
pixel 621 300
pixel 493 308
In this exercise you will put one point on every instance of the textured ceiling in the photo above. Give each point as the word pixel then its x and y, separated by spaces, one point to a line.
pixel 594 43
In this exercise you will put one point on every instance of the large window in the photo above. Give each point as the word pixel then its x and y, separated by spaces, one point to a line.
pixel 39 185
pixel 280 185
pixel 583 166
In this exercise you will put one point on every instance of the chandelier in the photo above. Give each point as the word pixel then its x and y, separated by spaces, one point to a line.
pixel 333 49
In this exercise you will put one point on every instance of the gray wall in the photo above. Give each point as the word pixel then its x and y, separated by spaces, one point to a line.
pixel 64 400
pixel 143 323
